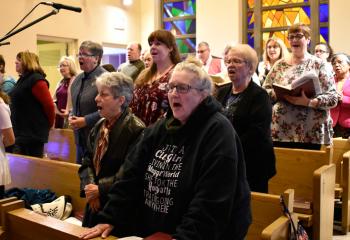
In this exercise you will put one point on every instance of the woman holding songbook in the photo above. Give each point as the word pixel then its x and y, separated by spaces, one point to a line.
pixel 341 113
pixel 301 121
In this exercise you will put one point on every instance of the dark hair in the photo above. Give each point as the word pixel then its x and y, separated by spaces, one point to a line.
pixel 95 48
pixel 109 67
pixel 329 50
pixel 5 97
pixel 2 63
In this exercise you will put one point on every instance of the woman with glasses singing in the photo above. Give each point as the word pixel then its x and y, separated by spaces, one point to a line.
pixel 324 51
pixel 301 121
pixel 186 176
pixel 150 99
pixel 248 108
pixel 68 71
pixel 341 113
pixel 84 113
pixel 275 49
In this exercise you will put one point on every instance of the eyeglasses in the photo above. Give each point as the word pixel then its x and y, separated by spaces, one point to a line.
pixel 180 88
pixel 297 36
pixel 84 55
pixel 320 51
pixel 236 61
pixel 202 51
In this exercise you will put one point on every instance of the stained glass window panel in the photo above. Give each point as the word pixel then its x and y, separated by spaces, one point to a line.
pixel 286 17
pixel 179 9
pixel 250 20
pixel 251 39
pixel 268 3
pixel 324 13
pixel 181 27
pixel 278 34
pixel 324 34
pixel 187 45
pixel 250 3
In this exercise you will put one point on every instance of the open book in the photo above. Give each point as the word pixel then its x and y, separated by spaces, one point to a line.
pixel 308 82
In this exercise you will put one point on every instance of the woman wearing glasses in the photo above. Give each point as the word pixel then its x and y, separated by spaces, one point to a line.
pixel 68 71
pixel 248 108
pixel 150 100
pixel 341 113
pixel 83 92
pixel 325 52
pixel 186 176
pixel 299 121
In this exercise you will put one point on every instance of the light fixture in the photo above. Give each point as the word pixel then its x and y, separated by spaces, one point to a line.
pixel 127 2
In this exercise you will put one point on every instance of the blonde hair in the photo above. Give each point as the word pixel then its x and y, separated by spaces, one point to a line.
pixel 248 53
pixel 30 62
pixel 71 64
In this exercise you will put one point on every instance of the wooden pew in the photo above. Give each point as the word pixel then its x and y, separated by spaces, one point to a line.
pixel 60 177
pixel 269 221
pixel 309 173
pixel 345 183
pixel 24 224
pixel 340 146
pixel 61 145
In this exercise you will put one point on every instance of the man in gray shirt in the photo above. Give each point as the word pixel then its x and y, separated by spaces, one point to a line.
pixel 134 65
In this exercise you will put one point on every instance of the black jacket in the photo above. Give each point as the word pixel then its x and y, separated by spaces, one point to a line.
pixel 252 122
pixel 188 181
pixel 123 136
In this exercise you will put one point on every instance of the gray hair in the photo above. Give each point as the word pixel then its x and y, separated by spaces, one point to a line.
pixel 119 84
pixel 95 48
pixel 249 55
pixel 202 80
pixel 336 55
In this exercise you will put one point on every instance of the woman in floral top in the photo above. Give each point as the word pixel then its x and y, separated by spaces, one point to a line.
pixel 150 100
pixel 299 121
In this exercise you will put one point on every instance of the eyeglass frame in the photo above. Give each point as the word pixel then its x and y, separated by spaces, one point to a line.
pixel 85 55
pixel 297 36
pixel 169 88
pixel 236 61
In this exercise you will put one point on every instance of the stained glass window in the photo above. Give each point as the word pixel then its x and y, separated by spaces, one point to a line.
pixel 179 17
pixel 278 15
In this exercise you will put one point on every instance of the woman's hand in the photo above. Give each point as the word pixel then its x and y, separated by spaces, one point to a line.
pixel 76 122
pixel 102 230
pixel 302 100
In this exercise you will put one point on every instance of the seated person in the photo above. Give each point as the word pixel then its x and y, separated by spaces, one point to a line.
pixel 186 176
pixel 108 142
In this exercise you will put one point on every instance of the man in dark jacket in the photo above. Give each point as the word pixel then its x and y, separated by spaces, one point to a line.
pixel 108 143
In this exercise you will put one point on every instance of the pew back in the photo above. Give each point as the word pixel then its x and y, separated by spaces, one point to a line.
pixel 60 177
pixel 340 146
pixel 61 145
pixel 268 219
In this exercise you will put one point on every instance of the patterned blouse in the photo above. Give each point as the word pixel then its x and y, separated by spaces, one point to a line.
pixel 292 123
pixel 150 101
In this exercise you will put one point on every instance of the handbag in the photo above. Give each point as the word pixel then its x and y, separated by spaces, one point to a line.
pixel 295 232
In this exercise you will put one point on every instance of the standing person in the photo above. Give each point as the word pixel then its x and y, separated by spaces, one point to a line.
pixel 147 59
pixel 83 91
pixel 150 100
pixel 7 138
pixel 341 113
pixel 186 176
pixel 210 64
pixel 108 143
pixel 6 82
pixel 32 107
pixel 299 121
pixel 249 109
pixel 325 52
pixel 275 49
pixel 134 65
pixel 68 71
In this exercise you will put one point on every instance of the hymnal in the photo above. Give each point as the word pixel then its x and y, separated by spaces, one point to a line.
pixel 308 82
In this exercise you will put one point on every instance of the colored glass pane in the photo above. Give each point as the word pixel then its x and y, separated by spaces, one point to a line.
pixel 324 34
pixel 283 18
pixel 278 34
pixel 181 27
pixel 250 3
pixel 266 3
pixel 251 39
pixel 324 13
pixel 187 45
pixel 179 9
pixel 250 20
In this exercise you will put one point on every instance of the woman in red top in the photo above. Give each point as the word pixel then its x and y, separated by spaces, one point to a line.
pixel 341 113
pixel 150 100
pixel 32 108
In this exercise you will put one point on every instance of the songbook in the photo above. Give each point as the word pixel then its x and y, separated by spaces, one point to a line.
pixel 308 82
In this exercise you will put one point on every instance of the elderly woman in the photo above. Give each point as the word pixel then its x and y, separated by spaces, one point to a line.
pixel 150 100
pixel 108 143
pixel 341 113
pixel 186 177
pixel 83 92
pixel 32 108
pixel 299 121
pixel 275 49
pixel 248 108
pixel 68 71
